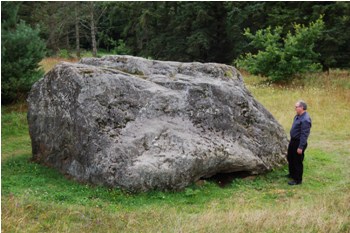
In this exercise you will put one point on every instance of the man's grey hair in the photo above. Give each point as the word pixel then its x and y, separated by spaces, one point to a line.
pixel 302 104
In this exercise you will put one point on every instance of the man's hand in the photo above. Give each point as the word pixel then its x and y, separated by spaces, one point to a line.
pixel 299 151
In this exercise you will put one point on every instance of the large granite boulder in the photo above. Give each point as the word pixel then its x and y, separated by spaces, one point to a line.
pixel 141 124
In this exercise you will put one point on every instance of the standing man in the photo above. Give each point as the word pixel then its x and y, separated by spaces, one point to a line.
pixel 299 134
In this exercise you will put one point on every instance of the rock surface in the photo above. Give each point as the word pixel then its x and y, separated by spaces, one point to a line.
pixel 142 125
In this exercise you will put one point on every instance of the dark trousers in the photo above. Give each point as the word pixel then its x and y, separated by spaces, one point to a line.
pixel 295 161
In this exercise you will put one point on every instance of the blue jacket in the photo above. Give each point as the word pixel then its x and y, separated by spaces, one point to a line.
pixel 301 129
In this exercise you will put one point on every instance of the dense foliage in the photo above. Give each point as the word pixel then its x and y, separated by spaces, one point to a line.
pixel 21 51
pixel 282 58
pixel 179 31
pixel 187 31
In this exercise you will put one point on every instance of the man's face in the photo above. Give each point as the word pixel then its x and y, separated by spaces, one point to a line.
pixel 298 108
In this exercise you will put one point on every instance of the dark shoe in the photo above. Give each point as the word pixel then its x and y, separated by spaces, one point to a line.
pixel 293 182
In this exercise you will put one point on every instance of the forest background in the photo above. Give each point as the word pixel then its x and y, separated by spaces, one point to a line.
pixel 176 31
pixel 183 31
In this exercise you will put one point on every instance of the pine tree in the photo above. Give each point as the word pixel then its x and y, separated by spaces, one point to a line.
pixel 21 51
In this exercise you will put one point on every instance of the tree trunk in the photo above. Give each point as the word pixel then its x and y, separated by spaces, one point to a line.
pixel 77 33
pixel 93 30
pixel 67 42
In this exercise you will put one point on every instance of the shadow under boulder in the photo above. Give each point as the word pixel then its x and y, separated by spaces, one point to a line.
pixel 225 179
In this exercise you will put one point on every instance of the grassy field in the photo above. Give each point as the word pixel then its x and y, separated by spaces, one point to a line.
pixel 38 199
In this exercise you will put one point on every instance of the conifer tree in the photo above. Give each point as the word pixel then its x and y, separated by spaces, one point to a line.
pixel 21 51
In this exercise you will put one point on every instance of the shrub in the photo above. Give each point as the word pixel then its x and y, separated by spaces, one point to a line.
pixel 283 58
pixel 119 47
pixel 64 53
pixel 22 50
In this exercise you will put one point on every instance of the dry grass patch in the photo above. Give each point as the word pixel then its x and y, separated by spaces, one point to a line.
pixel 48 63
pixel 328 104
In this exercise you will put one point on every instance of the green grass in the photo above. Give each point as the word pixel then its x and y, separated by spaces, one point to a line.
pixel 35 198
